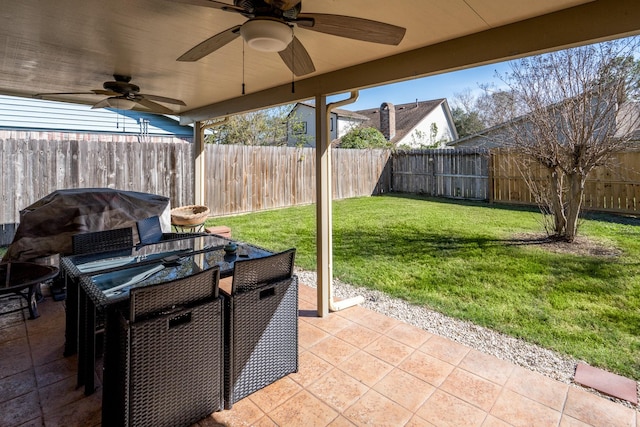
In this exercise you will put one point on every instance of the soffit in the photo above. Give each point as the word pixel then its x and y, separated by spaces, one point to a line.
pixel 76 45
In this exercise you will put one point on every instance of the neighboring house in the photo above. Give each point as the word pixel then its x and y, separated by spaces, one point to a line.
pixel 416 125
pixel 50 120
pixel 420 124
pixel 301 124
pixel 495 136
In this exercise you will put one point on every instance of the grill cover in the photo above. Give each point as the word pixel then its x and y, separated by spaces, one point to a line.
pixel 47 225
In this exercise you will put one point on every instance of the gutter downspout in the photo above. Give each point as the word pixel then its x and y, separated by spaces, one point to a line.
pixel 337 305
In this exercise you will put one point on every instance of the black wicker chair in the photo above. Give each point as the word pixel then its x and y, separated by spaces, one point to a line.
pixel 261 343
pixel 164 362
pixel 102 241
pixel 86 243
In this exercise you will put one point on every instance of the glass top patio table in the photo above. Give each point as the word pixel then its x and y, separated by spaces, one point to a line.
pixel 105 279
pixel 107 286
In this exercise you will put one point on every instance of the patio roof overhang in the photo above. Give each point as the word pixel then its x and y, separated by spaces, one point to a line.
pixel 76 45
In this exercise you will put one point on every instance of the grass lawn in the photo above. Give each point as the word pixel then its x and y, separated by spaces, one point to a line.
pixel 463 259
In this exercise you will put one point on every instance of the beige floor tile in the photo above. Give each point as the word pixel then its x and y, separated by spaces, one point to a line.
pixel 471 388
pixel 17 385
pixel 365 368
pixel 18 346
pixel 11 332
pixel 521 411
pixel 19 410
pixel 389 350
pixel 341 421
pixel 404 389
pixel 46 348
pixel 307 293
pixel 309 335
pixel 487 366
pixel 492 421
pixel 55 371
pixel 243 414
pixel 275 394
pixel 86 412
pixel 373 409
pixel 378 322
pixel 303 410
pixel 333 350
pixel 416 421
pixel 427 368
pixel 568 421
pixel 594 410
pixel 338 390
pixel 310 369
pixel 14 363
pixel 537 387
pixel 409 335
pixel 445 410
pixel 330 324
pixel 445 349
pixel 357 335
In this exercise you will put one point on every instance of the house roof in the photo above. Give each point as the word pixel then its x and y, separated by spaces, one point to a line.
pixel 17 113
pixel 486 134
pixel 338 111
pixel 408 116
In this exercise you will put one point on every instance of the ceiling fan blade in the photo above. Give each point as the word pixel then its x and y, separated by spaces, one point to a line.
pixel 211 44
pixel 296 57
pixel 102 104
pixel 105 92
pixel 163 99
pixel 93 92
pixel 214 4
pixel 352 27
pixel 156 108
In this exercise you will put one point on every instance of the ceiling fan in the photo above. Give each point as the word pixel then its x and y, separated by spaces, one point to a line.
pixel 270 26
pixel 123 95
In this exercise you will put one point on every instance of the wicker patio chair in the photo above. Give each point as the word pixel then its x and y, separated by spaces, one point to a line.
pixel 262 324
pixel 102 241
pixel 164 362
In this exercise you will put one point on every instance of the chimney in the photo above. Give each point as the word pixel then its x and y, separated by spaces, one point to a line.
pixel 388 120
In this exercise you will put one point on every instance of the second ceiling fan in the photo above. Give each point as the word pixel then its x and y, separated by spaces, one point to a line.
pixel 269 28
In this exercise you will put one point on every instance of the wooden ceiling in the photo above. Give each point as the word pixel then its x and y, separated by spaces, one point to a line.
pixel 76 45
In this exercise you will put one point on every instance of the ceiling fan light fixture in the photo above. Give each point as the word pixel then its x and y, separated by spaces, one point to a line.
pixel 266 35
pixel 121 103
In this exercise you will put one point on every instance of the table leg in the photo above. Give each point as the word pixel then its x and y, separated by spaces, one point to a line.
pixel 90 347
pixel 81 335
pixel 31 299
pixel 71 316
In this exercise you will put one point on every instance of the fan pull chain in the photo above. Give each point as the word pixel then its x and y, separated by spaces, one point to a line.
pixel 293 62
pixel 243 66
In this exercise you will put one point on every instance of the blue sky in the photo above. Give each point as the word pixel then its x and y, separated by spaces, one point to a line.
pixel 426 88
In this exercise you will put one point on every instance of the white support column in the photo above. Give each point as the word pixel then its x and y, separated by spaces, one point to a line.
pixel 199 164
pixel 323 206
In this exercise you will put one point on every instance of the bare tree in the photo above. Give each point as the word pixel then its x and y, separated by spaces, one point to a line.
pixel 582 108
pixel 262 127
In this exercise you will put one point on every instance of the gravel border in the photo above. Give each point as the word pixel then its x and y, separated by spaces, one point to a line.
pixel 535 358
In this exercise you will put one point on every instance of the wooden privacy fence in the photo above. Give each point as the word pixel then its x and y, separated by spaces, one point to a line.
pixel 611 188
pixel 460 173
pixel 31 168
pixel 251 178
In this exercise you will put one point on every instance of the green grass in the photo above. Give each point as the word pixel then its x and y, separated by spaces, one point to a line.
pixel 458 259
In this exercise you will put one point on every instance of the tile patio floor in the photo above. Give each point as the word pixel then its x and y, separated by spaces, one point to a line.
pixel 357 367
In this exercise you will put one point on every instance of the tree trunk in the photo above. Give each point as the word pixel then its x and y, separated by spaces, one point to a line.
pixel 557 208
pixel 576 190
